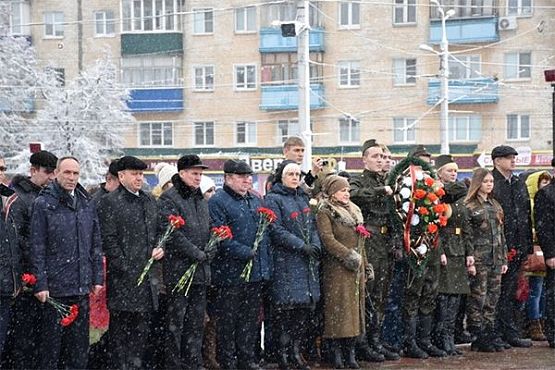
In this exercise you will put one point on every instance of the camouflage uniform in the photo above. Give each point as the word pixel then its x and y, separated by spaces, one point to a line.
pixel 490 253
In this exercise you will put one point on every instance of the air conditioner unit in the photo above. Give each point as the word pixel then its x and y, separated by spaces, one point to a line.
pixel 507 23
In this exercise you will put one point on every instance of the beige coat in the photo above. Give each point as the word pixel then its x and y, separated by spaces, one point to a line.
pixel 343 304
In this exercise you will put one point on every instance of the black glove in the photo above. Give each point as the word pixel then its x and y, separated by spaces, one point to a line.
pixel 311 251
pixel 211 253
pixel 201 257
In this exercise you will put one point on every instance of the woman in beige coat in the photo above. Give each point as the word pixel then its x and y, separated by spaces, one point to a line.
pixel 343 268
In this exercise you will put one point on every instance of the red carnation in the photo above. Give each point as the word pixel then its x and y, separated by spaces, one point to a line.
pixel 176 221
pixel 267 213
pixel 429 181
pixel 419 193
pixel 294 215
pixel 432 197
pixel 223 232
pixel 362 231
pixel 423 211
pixel 432 228
pixel 29 279
pixel 306 210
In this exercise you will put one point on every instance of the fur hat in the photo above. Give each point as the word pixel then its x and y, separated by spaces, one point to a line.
pixel 332 184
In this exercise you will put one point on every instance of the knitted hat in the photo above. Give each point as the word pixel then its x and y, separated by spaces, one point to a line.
pixel 206 183
pixel 164 172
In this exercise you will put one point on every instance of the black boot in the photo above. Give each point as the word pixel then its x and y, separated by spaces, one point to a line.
pixel 440 336
pixel 365 352
pixel 410 348
pixel 284 343
pixel 296 357
pixel 337 355
pixel 374 341
pixel 452 309
pixel 483 342
pixel 424 342
pixel 350 353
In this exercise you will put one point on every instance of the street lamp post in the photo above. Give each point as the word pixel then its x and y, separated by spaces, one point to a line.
pixel 303 58
pixel 444 77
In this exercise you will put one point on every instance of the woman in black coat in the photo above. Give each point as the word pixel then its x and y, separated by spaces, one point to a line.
pixel 296 246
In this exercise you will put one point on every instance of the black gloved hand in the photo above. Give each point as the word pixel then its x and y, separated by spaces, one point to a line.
pixel 211 253
pixel 311 251
pixel 201 257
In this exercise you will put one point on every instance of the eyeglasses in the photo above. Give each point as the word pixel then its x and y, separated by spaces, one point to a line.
pixel 2 168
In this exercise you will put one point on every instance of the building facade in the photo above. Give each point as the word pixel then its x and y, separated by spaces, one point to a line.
pixel 217 77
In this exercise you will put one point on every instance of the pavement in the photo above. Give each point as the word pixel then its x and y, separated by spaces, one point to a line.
pixel 538 357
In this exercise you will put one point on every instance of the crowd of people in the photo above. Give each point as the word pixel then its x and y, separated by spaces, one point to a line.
pixel 321 268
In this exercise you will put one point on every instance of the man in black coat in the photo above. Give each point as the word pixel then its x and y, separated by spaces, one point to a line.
pixel 111 183
pixel 544 214
pixel 511 192
pixel 66 258
pixel 26 310
pixel 129 220
pixel 185 313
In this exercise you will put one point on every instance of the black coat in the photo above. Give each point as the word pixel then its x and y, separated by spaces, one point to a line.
pixel 66 250
pixel 19 207
pixel 10 257
pixel 129 226
pixel 515 201
pixel 544 214
pixel 186 244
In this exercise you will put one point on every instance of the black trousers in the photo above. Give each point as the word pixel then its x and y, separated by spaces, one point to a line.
pixel 64 347
pixel 185 328
pixel 507 305
pixel 550 306
pixel 237 310
pixel 129 334
pixel 23 339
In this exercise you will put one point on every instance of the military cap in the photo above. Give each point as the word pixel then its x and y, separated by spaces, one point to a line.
pixel 503 151
pixel 237 166
pixel 190 161
pixel 369 144
pixel 419 151
pixel 113 168
pixel 443 160
pixel 131 163
pixel 44 159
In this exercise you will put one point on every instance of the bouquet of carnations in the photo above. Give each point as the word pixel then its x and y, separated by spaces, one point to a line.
pixel 265 217
pixel 218 234
pixel 175 222
pixel 67 313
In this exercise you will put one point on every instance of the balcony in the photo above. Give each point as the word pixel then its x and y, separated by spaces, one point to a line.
pixel 469 91
pixel 465 30
pixel 271 41
pixel 146 100
pixel 286 97
pixel 151 43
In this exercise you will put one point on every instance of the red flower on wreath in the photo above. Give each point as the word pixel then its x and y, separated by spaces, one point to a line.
pixel 423 211
pixel 429 181
pixel 432 197
pixel 439 208
pixel 440 192
pixel 442 221
pixel 432 228
pixel 419 193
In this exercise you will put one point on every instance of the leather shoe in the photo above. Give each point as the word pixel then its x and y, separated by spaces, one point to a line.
pixel 519 342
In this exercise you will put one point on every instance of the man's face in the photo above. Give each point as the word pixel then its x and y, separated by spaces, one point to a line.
pixel 294 153
pixel 373 159
pixel 386 166
pixel 67 174
pixel 131 179
pixel 41 176
pixel 507 163
pixel 447 174
pixel 2 171
pixel 239 183
pixel 112 183
pixel 191 177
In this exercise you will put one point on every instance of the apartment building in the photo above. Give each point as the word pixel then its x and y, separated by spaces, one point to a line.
pixel 217 77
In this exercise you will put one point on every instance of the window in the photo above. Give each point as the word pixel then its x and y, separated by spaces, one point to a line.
pixel 518 65
pixel 204 78
pixel 281 68
pixel 464 66
pixel 404 71
pixel 15 16
pixel 54 24
pixel 349 130
pixel 518 127
pixel 404 130
pixel 404 11
pixel 465 128
pixel 519 7
pixel 156 133
pixel 150 15
pixel 245 19
pixel 287 11
pixel 349 74
pixel 104 23
pixel 203 21
pixel 466 8
pixel 245 77
pixel 287 128
pixel 151 71
pixel 204 133
pixel 245 133
pixel 349 14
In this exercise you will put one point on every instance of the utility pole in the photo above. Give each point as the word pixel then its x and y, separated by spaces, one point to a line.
pixel 80 35
pixel 444 72
pixel 303 60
